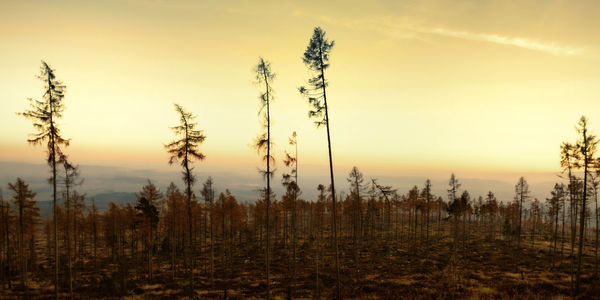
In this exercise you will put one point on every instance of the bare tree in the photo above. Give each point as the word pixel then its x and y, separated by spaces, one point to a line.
pixel 521 195
pixel 265 76
pixel 209 196
pixel 555 207
pixel 71 179
pixel 23 199
pixel 44 115
pixel 595 185
pixel 186 150
pixel 292 185
pixel 587 145
pixel 357 186
pixel 148 213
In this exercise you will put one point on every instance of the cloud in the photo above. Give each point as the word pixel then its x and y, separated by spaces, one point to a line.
pixel 411 28
pixel 521 42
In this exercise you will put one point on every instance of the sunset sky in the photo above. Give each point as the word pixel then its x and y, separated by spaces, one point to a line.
pixel 422 87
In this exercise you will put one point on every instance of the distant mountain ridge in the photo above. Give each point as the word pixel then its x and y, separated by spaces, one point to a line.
pixel 116 184
pixel 101 201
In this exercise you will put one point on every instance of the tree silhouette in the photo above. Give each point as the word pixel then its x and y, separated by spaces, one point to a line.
pixel 264 76
pixel 5 215
pixel 71 178
pixel 587 145
pixel 292 186
pixel 569 154
pixel 316 58
pixel 555 206
pixel 357 186
pixel 185 150
pixel 521 195
pixel 148 213
pixel 428 198
pixel 44 115
pixel 209 196
pixel 490 209
pixel 595 185
pixel 28 212
pixel 453 202
pixel 386 192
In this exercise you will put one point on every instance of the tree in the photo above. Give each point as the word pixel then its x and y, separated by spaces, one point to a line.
pixel 93 216
pixel 186 150
pixel 265 76
pixel 209 196
pixel 521 195
pixel 5 215
pixel 587 145
pixel 319 212
pixel 28 213
pixel 316 58
pixel 292 186
pixel 555 207
pixel 44 115
pixel 490 208
pixel 386 192
pixel 426 193
pixel 175 200
pixel 356 181
pixel 71 179
pixel 595 185
pixel 569 154
pixel 148 216
pixel 453 202
pixel 535 215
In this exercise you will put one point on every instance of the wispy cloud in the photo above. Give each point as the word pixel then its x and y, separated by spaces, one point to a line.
pixel 408 28
pixel 522 42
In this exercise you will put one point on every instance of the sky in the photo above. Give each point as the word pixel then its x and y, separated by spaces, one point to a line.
pixel 486 89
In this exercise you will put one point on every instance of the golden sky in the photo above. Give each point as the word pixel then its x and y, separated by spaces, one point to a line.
pixel 439 86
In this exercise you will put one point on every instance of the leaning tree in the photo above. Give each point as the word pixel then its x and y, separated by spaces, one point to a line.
pixel 316 59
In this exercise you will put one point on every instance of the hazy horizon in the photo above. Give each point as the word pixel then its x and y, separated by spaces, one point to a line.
pixel 244 184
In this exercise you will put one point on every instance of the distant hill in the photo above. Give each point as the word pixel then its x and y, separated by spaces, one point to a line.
pixel 119 185
pixel 101 200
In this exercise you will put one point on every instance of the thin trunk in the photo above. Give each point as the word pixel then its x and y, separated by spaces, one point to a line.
pixel 21 254
pixel 294 220
pixel 268 198
pixel 555 232
pixel 583 209
pixel 53 162
pixel 562 238
pixel 68 221
pixel 190 253
pixel 212 245
pixel 337 265
pixel 596 242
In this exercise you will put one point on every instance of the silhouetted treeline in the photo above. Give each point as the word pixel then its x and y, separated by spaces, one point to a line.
pixel 120 250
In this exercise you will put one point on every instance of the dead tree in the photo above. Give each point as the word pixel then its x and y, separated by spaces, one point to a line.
pixel 185 149
pixel 45 114
pixel 264 76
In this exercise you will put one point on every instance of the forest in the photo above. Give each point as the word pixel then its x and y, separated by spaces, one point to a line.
pixel 358 239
